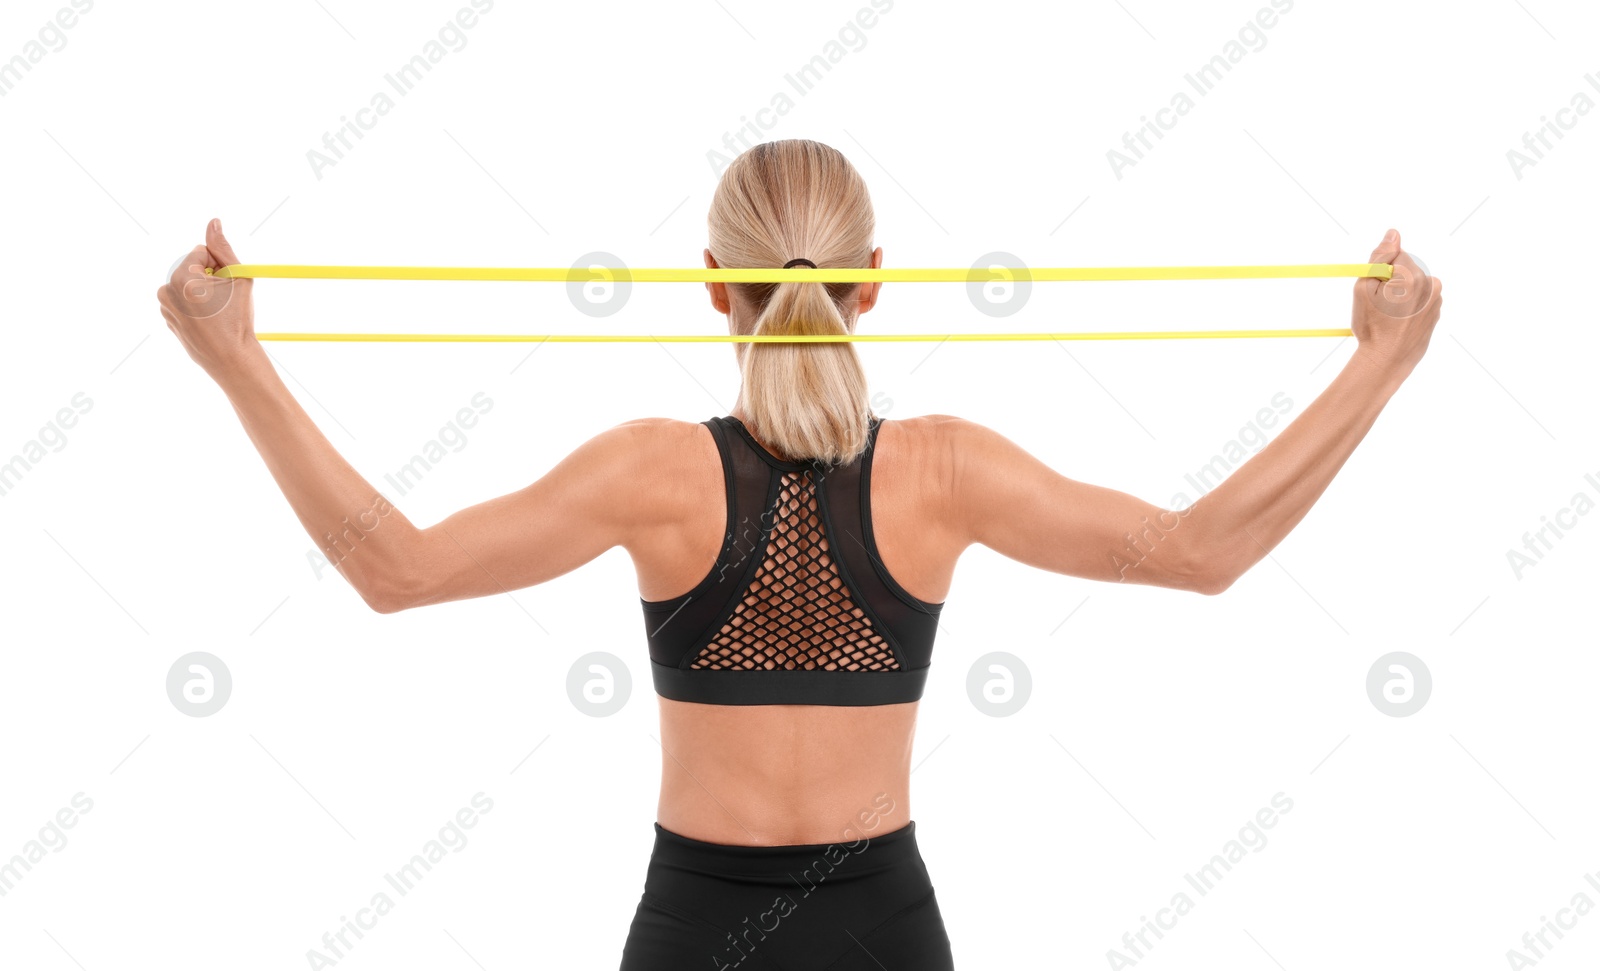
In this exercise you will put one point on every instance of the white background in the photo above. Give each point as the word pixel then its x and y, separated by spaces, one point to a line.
pixel 1159 723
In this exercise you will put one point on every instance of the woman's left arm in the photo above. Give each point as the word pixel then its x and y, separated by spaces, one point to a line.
pixel 565 519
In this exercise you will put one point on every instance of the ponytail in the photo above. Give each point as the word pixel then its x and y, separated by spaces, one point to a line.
pixel 806 400
pixel 778 200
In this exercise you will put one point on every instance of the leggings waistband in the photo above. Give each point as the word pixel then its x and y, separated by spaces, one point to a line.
pixel 838 861
pixel 862 903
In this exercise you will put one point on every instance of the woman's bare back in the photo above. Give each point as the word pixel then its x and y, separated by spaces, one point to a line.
pixel 785 774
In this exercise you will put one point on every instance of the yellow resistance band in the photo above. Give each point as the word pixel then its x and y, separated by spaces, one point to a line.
pixel 1381 271
pixel 1131 335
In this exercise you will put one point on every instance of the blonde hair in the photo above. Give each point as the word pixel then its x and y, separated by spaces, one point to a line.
pixel 776 202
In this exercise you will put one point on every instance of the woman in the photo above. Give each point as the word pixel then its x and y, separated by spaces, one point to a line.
pixel 792 560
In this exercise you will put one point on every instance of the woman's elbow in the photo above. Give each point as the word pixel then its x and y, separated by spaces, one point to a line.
pixel 393 589
pixel 385 603
pixel 1212 583
pixel 1209 569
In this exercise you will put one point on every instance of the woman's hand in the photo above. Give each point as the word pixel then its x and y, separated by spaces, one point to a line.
pixel 213 316
pixel 1393 319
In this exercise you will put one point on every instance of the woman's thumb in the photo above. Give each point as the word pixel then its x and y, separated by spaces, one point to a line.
pixel 1388 248
pixel 217 245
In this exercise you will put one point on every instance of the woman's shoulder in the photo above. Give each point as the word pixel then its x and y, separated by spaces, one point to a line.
pixel 658 439
pixel 928 435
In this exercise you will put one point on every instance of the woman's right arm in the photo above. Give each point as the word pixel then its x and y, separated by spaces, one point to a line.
pixel 1002 497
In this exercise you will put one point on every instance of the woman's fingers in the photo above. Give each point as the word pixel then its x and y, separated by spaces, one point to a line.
pixel 195 294
pixel 189 267
pixel 1407 290
pixel 1387 250
pixel 212 316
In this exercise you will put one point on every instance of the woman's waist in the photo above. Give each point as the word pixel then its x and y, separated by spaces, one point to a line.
pixel 784 774
pixel 750 815
pixel 680 864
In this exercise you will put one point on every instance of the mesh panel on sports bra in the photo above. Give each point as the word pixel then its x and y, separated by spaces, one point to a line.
pixel 797 613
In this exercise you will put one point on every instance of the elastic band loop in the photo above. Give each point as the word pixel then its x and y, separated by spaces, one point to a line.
pixel 1132 335
pixel 800 260
pixel 1381 271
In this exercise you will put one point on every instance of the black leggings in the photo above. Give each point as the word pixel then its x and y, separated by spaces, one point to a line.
pixel 837 906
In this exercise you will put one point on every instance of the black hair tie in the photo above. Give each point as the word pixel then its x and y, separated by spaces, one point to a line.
pixel 799 260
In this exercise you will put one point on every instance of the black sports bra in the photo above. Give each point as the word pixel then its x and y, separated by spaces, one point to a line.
pixel 798 608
